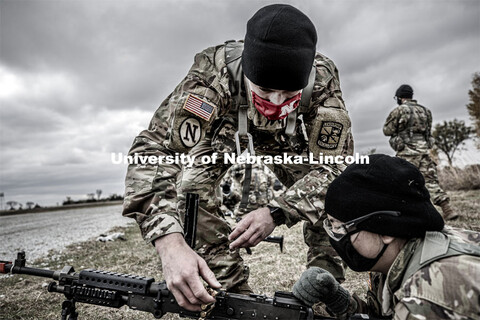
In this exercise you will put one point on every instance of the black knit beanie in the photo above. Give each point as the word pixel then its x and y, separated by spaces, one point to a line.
pixel 386 183
pixel 404 91
pixel 279 49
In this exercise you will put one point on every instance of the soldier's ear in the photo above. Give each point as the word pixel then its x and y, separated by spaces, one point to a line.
pixel 387 239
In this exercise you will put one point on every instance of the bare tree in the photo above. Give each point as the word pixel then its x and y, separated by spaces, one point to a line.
pixel 11 205
pixel 473 106
pixel 30 204
pixel 450 136
pixel 99 193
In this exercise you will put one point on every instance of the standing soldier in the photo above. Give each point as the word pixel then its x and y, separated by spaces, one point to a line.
pixel 273 94
pixel 409 126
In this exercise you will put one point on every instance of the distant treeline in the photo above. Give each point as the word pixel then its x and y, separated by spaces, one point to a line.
pixel 113 197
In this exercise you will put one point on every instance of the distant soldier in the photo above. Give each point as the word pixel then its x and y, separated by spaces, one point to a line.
pixel 233 177
pixel 258 193
pixel 264 194
pixel 380 218
pixel 409 126
pixel 276 187
pixel 264 186
pixel 230 196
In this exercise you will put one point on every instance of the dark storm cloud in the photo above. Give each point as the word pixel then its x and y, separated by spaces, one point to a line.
pixel 79 79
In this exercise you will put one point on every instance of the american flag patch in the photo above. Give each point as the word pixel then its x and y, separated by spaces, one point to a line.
pixel 199 107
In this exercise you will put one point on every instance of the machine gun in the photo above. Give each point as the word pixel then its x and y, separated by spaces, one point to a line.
pixel 114 290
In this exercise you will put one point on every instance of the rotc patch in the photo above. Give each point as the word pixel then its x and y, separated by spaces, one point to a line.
pixel 330 133
pixel 199 107
pixel 190 132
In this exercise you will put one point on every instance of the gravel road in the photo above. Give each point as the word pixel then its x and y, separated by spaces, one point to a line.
pixel 37 233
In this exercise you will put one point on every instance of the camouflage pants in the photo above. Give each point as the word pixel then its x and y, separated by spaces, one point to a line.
pixel 429 170
pixel 320 252
pixel 212 228
pixel 256 198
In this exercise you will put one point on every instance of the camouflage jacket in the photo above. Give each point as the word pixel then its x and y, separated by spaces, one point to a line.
pixel 448 288
pixel 409 126
pixel 200 115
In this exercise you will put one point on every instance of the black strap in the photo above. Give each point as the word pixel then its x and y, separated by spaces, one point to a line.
pixel 246 186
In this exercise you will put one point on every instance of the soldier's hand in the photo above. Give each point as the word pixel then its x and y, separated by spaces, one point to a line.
pixel 318 285
pixel 253 228
pixel 182 269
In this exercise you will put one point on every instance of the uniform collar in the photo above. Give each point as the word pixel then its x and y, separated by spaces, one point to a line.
pixel 410 101
pixel 395 275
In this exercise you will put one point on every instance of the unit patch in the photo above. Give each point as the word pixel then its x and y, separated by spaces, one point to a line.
pixel 190 132
pixel 330 133
pixel 199 107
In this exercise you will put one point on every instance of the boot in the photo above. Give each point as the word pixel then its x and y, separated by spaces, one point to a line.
pixel 448 213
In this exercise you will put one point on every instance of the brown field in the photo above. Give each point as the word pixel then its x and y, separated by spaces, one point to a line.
pixel 26 297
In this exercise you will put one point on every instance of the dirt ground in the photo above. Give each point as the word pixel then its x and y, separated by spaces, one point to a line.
pixel 26 297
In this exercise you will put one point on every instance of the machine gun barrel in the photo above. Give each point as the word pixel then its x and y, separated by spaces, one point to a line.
pixel 19 267
pixel 114 290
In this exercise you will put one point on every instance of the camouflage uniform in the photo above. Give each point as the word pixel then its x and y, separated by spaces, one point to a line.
pixel 276 187
pixel 154 194
pixel 447 288
pixel 259 194
pixel 231 198
pixel 411 139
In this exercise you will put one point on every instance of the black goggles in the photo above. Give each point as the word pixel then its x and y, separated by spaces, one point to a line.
pixel 338 232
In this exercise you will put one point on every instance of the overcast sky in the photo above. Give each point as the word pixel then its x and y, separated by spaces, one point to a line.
pixel 79 79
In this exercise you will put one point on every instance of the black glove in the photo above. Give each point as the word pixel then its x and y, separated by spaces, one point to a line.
pixel 318 285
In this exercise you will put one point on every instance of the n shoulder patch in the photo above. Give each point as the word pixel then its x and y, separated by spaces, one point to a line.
pixel 199 107
pixel 190 132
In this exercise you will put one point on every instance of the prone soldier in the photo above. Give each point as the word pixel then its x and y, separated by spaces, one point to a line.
pixel 380 218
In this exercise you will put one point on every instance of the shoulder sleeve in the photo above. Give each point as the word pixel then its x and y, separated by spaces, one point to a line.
pixel 181 121
pixel 197 101
pixel 448 288
pixel 328 123
pixel 430 120
pixel 329 131
pixel 397 120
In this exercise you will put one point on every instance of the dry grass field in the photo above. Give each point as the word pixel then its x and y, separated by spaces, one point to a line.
pixel 26 297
